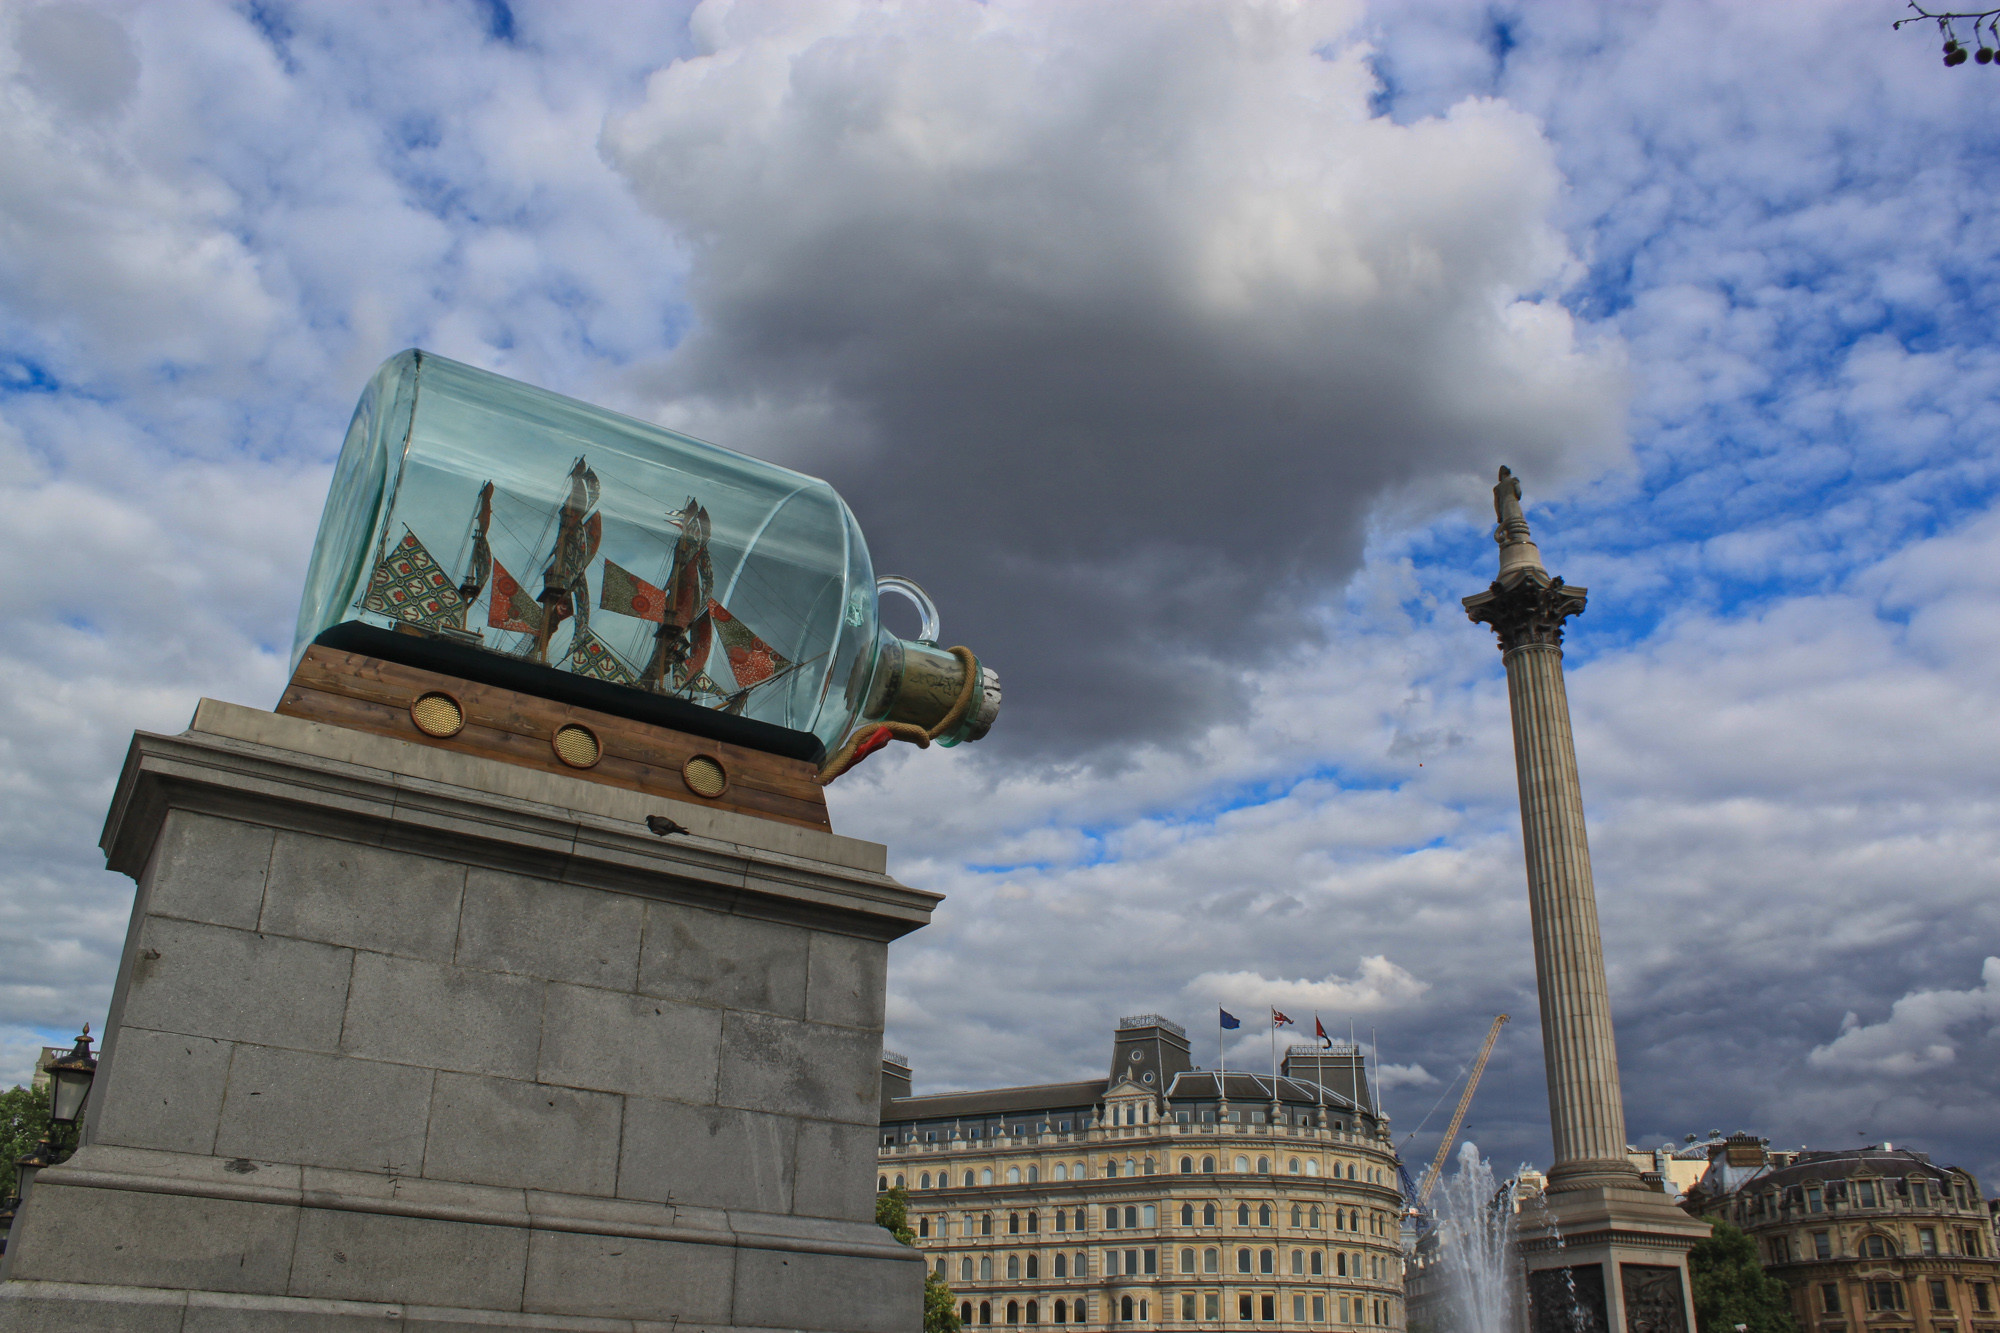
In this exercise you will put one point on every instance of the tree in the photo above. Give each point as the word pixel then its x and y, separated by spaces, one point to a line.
pixel 1985 32
pixel 24 1119
pixel 892 1214
pixel 1731 1288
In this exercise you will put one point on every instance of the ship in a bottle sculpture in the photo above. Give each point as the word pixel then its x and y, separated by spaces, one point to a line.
pixel 519 563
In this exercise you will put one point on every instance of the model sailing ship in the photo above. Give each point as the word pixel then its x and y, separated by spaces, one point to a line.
pixel 409 586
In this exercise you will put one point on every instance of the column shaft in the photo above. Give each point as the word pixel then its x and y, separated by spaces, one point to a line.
pixel 1585 1103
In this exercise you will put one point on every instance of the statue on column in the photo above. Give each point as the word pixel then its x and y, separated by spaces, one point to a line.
pixel 1513 524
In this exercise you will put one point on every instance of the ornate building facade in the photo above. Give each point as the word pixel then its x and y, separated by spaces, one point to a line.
pixel 1162 1195
pixel 1868 1240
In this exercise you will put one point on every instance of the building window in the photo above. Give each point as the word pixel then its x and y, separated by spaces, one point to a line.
pixel 965 1269
pixel 1884 1295
pixel 924 1181
pixel 1208 1260
pixel 965 1313
pixel 1927 1241
pixel 1131 1216
pixel 1298 1216
pixel 1125 1310
pixel 1110 1263
pixel 1263 1214
pixel 1312 1217
pixel 1266 1262
pixel 1079 1311
pixel 1034 1269
pixel 1131 1167
pixel 1312 1169
pixel 1062 1220
pixel 1829 1297
pixel 1875 1247
pixel 1062 1270
pixel 1110 1169
pixel 986 1312
pixel 1208 1164
pixel 1034 1223
pixel 1244 1310
pixel 1079 1219
pixel 1149 1216
pixel 1034 1313
pixel 1270 1307
pixel 1013 1266
pixel 1263 1166
pixel 1242 1214
pixel 1013 1175
pixel 986 1224
pixel 985 1268
pixel 1242 1164
pixel 1062 1312
pixel 1187 1261
pixel 1317 1263
pixel 1940 1296
pixel 1187 1169
pixel 1865 1193
pixel 1982 1299
pixel 1013 1312
pixel 1340 1266
pixel 1187 1214
pixel 1013 1224
pixel 1299 1308
pixel 1243 1261
pixel 1187 1308
pixel 1062 1172
pixel 986 1176
pixel 1299 1263
pixel 1319 1309
pixel 882 1184
pixel 1152 1261
pixel 1110 1219
pixel 1211 1306
pixel 1822 1245
pixel 1295 1166
pixel 1208 1214
pixel 923 1227
pixel 1080 1268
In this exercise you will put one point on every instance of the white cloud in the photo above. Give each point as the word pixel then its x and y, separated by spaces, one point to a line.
pixel 1919 1033
pixel 1379 984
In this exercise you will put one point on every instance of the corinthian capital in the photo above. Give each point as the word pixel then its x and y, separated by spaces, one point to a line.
pixel 1525 606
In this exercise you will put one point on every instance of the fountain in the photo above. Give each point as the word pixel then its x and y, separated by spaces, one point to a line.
pixel 1481 1288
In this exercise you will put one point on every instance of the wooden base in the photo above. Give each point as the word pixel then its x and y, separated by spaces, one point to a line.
pixel 368 694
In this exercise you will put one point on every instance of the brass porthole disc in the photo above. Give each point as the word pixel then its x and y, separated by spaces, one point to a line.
pixel 437 714
pixel 577 745
pixel 705 776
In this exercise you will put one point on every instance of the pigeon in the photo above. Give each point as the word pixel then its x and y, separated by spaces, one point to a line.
pixel 664 827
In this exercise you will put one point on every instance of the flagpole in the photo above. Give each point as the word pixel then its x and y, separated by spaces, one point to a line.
pixel 1274 1055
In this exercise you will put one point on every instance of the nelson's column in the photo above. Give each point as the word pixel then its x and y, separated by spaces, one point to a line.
pixel 1609 1250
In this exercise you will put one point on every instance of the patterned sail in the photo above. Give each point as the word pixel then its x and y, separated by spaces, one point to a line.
pixel 409 585
pixel 511 607
pixel 590 656
pixel 751 660
pixel 627 594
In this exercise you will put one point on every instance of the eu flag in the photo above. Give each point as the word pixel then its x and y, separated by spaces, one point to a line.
pixel 1230 1020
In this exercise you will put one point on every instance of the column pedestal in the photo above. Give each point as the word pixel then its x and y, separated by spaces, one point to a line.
pixel 404 1038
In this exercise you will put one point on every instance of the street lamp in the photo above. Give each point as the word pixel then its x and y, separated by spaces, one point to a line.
pixel 27 1168
pixel 69 1080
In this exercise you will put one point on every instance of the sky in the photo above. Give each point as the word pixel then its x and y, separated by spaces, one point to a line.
pixel 1172 348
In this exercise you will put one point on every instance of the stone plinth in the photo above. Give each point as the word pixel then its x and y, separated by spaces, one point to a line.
pixel 1602 1258
pixel 409 1039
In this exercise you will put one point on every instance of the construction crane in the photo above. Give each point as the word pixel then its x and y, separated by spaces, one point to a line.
pixel 1458 1116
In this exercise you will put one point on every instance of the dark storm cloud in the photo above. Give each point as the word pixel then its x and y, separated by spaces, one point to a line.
pixel 1113 323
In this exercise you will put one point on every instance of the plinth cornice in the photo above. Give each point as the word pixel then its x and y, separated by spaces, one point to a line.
pixel 1526 606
